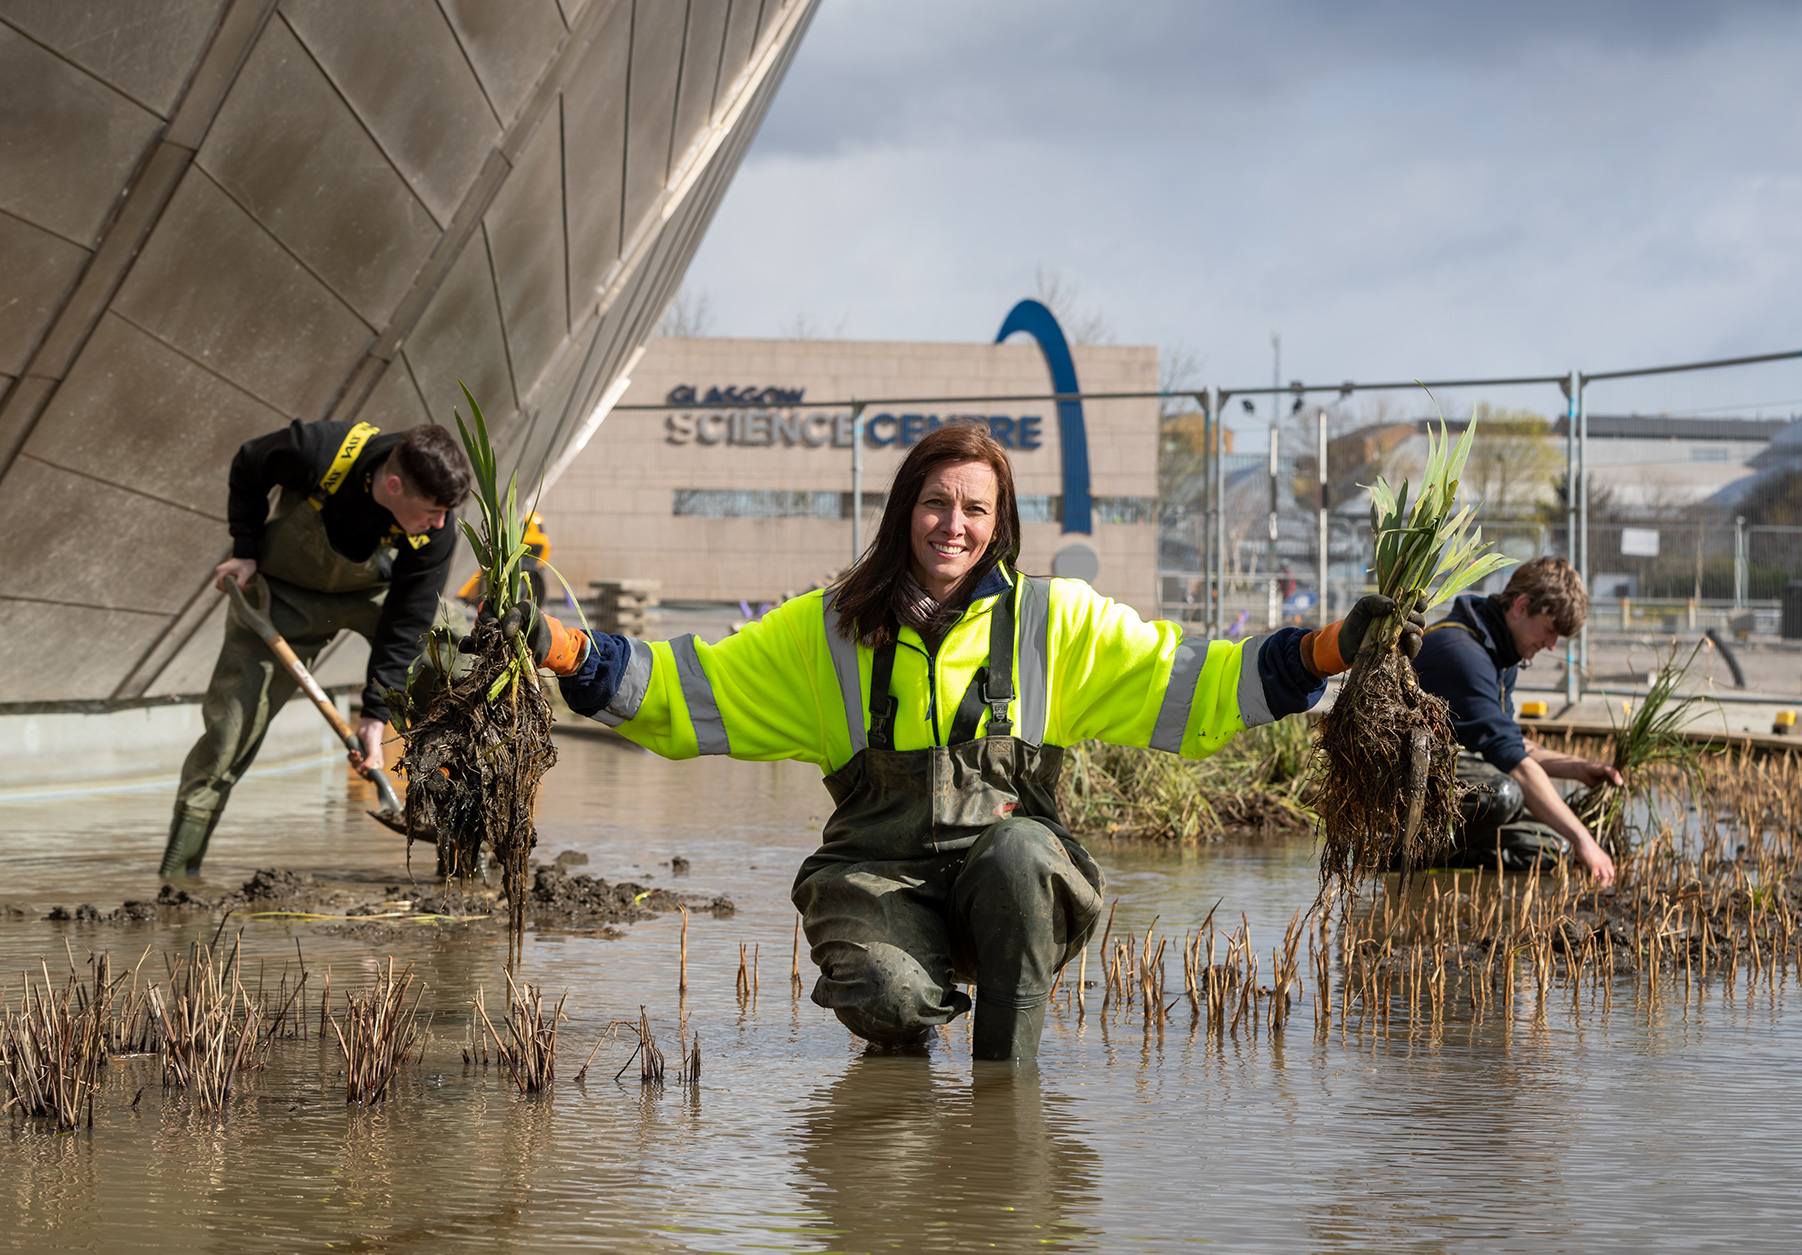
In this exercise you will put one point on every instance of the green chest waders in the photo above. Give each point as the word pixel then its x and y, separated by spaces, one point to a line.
pixel 947 864
pixel 310 592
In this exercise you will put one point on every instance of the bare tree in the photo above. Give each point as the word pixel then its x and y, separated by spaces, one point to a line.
pixel 1513 466
pixel 803 327
pixel 1182 453
pixel 1081 324
pixel 689 316
pixel 1179 370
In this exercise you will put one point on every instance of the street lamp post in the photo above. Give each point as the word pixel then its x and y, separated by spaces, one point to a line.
pixel 1271 598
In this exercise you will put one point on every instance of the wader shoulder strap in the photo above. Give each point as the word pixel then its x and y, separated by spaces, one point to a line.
pixel 882 705
pixel 1452 623
pixel 993 685
pixel 346 457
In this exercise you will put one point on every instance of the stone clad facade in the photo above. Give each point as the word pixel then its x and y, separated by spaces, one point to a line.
pixel 753 503
pixel 217 216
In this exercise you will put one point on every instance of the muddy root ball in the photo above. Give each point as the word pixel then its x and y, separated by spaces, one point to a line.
pixel 1385 784
pixel 474 767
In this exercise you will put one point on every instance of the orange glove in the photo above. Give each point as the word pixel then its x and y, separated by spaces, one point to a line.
pixel 558 649
pixel 567 647
pixel 1322 650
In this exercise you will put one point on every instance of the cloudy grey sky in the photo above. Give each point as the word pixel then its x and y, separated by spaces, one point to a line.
pixel 1403 188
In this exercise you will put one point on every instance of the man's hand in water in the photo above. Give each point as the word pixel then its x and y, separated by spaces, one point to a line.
pixel 1594 859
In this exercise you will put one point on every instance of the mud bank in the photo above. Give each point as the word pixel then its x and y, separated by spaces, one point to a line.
pixel 557 899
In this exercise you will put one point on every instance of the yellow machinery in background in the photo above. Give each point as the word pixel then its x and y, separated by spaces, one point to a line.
pixel 538 552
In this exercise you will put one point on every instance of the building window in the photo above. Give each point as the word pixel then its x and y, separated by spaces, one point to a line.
pixel 767 503
pixel 1709 453
pixel 1049 508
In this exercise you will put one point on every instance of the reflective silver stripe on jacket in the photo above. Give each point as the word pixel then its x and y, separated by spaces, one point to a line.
pixel 633 685
pixel 697 693
pixel 850 686
pixel 1254 706
pixel 1179 696
pixel 1032 654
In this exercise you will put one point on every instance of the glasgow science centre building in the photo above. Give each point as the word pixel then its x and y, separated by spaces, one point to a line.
pixel 717 475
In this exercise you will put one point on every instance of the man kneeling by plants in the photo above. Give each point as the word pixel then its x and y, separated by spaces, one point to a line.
pixel 1470 658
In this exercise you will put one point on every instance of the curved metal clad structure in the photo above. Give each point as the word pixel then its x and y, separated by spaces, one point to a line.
pixel 219 215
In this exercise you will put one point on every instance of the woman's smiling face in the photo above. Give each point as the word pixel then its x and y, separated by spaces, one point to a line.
pixel 953 520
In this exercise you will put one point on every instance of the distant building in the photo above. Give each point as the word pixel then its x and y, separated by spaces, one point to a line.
pixel 1672 463
pixel 1645 464
pixel 753 502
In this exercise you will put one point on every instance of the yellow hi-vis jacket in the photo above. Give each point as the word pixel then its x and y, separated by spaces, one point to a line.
pixel 789 686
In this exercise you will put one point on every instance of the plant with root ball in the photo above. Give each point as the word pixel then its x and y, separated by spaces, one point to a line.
pixel 477 731
pixel 1652 737
pixel 1384 784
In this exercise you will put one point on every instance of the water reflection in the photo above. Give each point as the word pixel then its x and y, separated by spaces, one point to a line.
pixel 1558 1127
pixel 897 1155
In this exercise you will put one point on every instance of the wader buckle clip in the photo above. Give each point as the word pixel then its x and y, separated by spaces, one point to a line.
pixel 999 723
pixel 882 722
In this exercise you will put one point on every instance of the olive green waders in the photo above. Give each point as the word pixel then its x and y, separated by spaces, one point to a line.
pixel 1493 823
pixel 310 593
pixel 946 865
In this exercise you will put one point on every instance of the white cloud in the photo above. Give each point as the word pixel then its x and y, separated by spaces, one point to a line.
pixel 1405 189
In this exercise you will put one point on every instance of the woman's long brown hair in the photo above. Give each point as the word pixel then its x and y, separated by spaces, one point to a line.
pixel 869 594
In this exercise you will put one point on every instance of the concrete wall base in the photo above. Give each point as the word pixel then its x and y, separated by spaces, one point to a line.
pixel 43 755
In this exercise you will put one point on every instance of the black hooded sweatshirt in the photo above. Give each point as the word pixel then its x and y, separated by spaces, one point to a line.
pixel 1474 671
pixel 296 458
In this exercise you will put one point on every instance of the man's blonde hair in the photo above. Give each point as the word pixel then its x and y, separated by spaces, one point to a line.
pixel 1550 585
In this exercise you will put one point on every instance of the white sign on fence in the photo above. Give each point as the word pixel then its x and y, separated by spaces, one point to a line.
pixel 1639 542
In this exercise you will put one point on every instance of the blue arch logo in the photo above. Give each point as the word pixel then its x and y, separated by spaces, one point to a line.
pixel 1038 322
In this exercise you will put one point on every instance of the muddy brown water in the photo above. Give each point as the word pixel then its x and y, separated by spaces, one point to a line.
pixel 1663 1126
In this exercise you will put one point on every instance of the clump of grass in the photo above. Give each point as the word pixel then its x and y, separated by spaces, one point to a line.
pixel 379 1031
pixel 1252 784
pixel 651 1067
pixel 1653 737
pixel 128 1025
pixel 1384 785
pixel 52 1047
pixel 211 1028
pixel 529 1050
pixel 477 743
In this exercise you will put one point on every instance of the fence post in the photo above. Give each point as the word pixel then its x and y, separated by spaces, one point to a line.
pixel 1583 517
pixel 1571 690
pixel 1325 503
pixel 1216 404
pixel 1273 599
pixel 1739 562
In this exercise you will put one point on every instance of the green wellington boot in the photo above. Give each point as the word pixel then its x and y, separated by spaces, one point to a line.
pixel 188 837
pixel 1006 1032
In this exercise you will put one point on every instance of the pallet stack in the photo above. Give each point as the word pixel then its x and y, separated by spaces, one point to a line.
pixel 620 605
